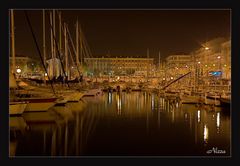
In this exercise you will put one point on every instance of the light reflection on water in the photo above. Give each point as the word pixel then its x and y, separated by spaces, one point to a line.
pixel 135 123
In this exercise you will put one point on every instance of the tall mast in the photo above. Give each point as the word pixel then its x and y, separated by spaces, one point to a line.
pixel 77 50
pixel 13 43
pixel 54 33
pixel 52 50
pixel 66 49
pixel 60 32
pixel 44 39
pixel 81 46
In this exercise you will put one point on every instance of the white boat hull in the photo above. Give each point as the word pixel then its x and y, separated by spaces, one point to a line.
pixel 43 106
pixel 17 109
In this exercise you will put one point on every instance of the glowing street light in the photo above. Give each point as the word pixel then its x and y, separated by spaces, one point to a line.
pixel 206 48
pixel 45 74
pixel 199 62
pixel 19 71
pixel 219 57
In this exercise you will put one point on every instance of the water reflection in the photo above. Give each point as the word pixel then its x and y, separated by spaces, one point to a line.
pixel 119 103
pixel 199 116
pixel 148 125
pixel 218 122
pixel 205 134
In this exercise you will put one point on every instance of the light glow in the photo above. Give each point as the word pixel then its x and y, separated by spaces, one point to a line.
pixel 205 134
pixel 19 70
pixel 199 116
pixel 218 119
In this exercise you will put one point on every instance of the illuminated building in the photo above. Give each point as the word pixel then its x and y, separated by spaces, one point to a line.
pixel 120 66
pixel 177 65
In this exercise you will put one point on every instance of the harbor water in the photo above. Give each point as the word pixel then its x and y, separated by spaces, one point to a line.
pixel 123 124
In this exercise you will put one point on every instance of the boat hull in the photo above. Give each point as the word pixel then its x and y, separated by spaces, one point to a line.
pixel 35 107
pixel 17 109
pixel 38 104
pixel 190 99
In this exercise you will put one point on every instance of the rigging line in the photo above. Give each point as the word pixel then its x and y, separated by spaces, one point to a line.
pixel 73 62
pixel 38 49
pixel 72 45
pixel 84 51
pixel 58 54
pixel 84 42
pixel 87 45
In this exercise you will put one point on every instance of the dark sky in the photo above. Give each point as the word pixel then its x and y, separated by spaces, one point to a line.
pixel 130 32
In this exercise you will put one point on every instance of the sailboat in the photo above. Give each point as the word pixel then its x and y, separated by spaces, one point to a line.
pixel 19 105
pixel 15 108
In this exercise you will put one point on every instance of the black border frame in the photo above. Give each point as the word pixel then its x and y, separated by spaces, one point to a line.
pixel 186 4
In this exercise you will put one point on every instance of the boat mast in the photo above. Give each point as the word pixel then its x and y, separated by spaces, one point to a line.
pixel 54 43
pixel 60 32
pixel 54 33
pixel 81 46
pixel 77 48
pixel 44 39
pixel 66 49
pixel 13 43
pixel 51 65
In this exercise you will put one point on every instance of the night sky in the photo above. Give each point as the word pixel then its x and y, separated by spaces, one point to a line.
pixel 130 32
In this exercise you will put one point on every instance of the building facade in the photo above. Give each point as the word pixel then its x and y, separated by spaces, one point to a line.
pixel 120 66
pixel 25 65
pixel 214 59
pixel 177 65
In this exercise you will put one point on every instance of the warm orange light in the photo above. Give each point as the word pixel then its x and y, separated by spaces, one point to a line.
pixel 19 70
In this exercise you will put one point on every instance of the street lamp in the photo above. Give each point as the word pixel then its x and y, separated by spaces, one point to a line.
pixel 19 71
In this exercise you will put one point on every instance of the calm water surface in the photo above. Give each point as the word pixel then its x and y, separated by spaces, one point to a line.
pixel 125 124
